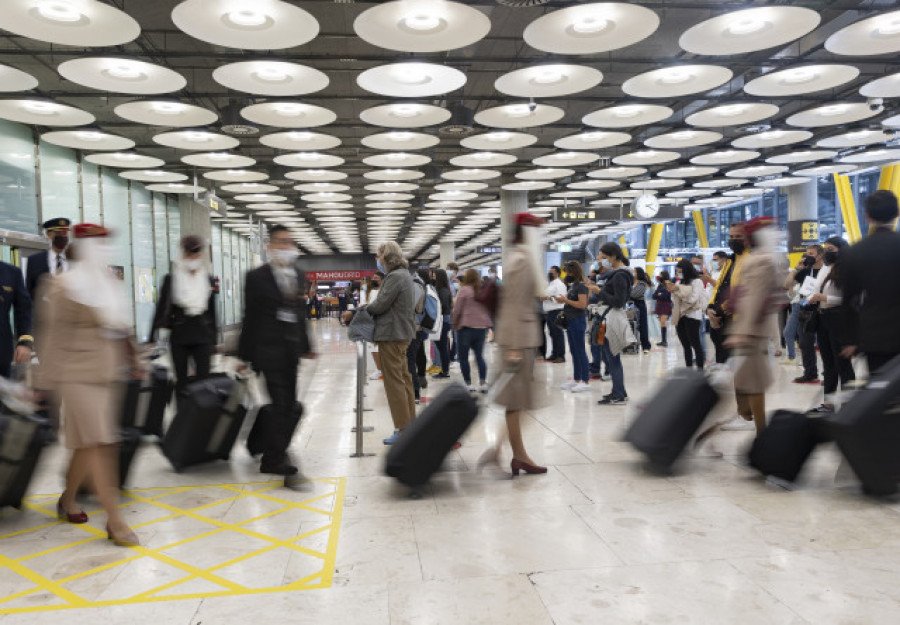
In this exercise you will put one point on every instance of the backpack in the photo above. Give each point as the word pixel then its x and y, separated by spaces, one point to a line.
pixel 489 296
pixel 432 296
pixel 428 307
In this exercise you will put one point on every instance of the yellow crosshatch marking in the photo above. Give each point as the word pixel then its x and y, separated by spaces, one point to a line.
pixel 217 540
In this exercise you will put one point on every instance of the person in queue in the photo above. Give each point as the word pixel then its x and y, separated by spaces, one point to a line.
pixel 575 303
pixel 415 351
pixel 638 295
pixel 719 311
pixel 871 302
pixel 552 309
pixel 518 336
pixel 598 366
pixel 453 278
pixel 187 307
pixel 749 328
pixel 445 295
pixel 615 294
pixel 662 307
pixel 828 296
pixel 53 261
pixel 395 326
pixel 16 341
pixel 84 322
pixel 688 296
pixel 273 339
pixel 807 270
pixel 471 322
pixel 368 293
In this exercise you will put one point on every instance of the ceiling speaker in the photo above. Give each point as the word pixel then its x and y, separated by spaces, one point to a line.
pixel 235 125
pixel 460 122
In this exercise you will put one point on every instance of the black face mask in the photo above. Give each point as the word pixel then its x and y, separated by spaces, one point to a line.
pixel 809 261
pixel 569 280
pixel 831 258
pixel 551 277
pixel 737 246
pixel 60 242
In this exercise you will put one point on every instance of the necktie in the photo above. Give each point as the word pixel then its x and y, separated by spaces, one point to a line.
pixel 59 263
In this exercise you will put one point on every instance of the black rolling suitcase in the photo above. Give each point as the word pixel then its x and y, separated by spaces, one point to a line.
pixel 783 447
pixel 22 439
pixel 128 445
pixel 207 423
pixel 145 401
pixel 423 445
pixel 670 419
pixel 263 422
pixel 867 431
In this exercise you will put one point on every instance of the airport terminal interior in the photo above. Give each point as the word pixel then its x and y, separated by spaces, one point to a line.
pixel 655 125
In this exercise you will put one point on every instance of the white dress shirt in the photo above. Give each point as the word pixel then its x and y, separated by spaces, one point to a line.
pixel 555 288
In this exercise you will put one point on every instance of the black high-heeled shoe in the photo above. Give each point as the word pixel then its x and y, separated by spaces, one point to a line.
pixel 75 519
pixel 518 465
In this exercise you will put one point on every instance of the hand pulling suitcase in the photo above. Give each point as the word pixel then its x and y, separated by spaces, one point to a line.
pixel 784 446
pixel 263 422
pixel 145 401
pixel 22 439
pixel 207 423
pixel 423 445
pixel 867 431
pixel 670 419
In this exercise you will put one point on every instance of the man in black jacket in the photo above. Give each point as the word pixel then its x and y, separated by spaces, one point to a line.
pixel 15 346
pixel 871 302
pixel 273 339
pixel 52 261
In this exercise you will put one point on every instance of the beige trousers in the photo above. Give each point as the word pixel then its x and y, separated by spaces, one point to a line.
pixel 398 385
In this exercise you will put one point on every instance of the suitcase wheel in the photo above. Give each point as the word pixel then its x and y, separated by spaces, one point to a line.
pixel 416 494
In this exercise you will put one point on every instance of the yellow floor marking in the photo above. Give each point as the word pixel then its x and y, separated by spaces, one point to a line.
pixel 151 498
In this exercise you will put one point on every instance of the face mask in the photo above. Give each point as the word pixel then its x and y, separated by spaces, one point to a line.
pixel 679 276
pixel 831 257
pixel 60 241
pixel 737 246
pixel 551 277
pixel 380 266
pixel 569 280
pixel 283 257
pixel 699 268
pixel 717 265
pixel 809 261
pixel 193 264
pixel 606 263
pixel 595 267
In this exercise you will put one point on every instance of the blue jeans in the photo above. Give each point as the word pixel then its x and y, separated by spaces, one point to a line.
pixel 790 330
pixel 615 372
pixel 442 346
pixel 575 332
pixel 557 337
pixel 472 338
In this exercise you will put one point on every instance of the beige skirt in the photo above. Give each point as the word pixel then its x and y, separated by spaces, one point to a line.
pixel 90 413
pixel 753 373
pixel 521 392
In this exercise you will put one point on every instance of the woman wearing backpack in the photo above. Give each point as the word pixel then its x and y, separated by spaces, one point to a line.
pixel 615 295
pixel 471 322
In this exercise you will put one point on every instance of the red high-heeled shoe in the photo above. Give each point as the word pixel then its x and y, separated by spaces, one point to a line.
pixel 76 519
pixel 518 465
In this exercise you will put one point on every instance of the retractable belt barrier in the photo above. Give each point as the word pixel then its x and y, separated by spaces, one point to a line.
pixel 360 429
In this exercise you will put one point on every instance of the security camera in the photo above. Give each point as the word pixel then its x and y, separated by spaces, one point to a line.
pixel 875 104
pixel 532 105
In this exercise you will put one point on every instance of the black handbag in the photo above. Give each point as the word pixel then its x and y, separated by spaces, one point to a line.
pixel 561 321
pixel 808 318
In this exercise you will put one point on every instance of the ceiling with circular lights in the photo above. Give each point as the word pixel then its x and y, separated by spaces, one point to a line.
pixel 358 116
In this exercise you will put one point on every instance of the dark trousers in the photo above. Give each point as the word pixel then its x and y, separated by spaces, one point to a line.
pixel 453 339
pixel 200 354
pixel 836 368
pixel 878 360
pixel 472 338
pixel 421 360
pixel 443 346
pixel 412 355
pixel 557 336
pixel 718 336
pixel 807 342
pixel 688 331
pixel 281 384
pixel 643 323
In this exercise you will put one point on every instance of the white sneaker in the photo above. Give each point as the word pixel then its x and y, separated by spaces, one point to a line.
pixel 375 375
pixel 483 388
pixel 581 387
pixel 568 386
pixel 472 388
pixel 739 423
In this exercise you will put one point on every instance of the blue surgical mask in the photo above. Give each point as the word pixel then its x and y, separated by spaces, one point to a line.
pixel 380 266
pixel 606 263
pixel 595 267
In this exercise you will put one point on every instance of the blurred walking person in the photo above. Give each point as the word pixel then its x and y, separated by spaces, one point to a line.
pixel 642 282
pixel 84 323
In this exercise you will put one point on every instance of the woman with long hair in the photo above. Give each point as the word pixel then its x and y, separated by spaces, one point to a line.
pixel 615 294
pixel 689 298
pixel 471 321
pixel 442 285
pixel 642 282
pixel 575 313
pixel 663 307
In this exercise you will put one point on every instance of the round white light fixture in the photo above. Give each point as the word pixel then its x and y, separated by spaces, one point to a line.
pixel 397 159
pixel 400 140
pixel 725 157
pixel 825 170
pixel 617 173
pixel 316 175
pixel 175 187
pixel 199 140
pixel 422 25
pixel 461 186
pixel 311 160
pixel 499 140
pixel 676 81
pixel 246 24
pixel 657 183
pixel 411 80
pixel 879 155
pixel 288 114
pixel 646 157
pixel 724 183
pixel 771 139
pixel 591 28
pixel 777 183
pixel 566 159
pixel 732 114
pixel 688 172
pixel 218 160
pixel 121 75
pixel 832 115
pixel 546 81
pixel 165 113
pixel 483 159
pixel 749 30
pixel 248 187
pixel 87 140
pixel 394 174
pixel 756 171
pixel 545 173
pixel 679 139
pixel 521 115
pixel 85 23
pixel 800 80
pixel 885 87
pixel 855 138
pixel 592 140
pixel 152 175
pixel 259 198
pixel 391 187
pixel 390 197
pixel 300 140
pixel 272 78
pixel 12 79
pixel 235 175
pixel 528 185
pixel 879 34
pixel 627 116
pixel 801 156
pixel 125 160
pixel 689 193
pixel 321 187
pixel 470 174
pixel 452 196
pixel 43 113
pixel 405 115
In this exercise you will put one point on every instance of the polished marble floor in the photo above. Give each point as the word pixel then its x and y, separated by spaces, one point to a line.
pixel 596 540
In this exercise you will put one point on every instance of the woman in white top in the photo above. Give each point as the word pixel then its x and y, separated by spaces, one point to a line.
pixel 829 297
pixel 689 299
pixel 367 295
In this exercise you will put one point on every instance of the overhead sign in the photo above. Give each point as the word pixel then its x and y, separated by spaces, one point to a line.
pixel 489 250
pixel 338 276
pixel 589 214
pixel 802 233
pixel 562 247
pixel 216 205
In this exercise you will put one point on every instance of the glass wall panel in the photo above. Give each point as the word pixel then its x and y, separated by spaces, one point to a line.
pixel 143 258
pixel 228 272
pixel 90 193
pixel 174 212
pixel 831 223
pixel 160 237
pixel 60 195
pixel 116 216
pixel 18 192
pixel 216 234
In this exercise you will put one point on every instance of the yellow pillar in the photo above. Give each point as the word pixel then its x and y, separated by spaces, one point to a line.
pixel 624 245
pixel 848 207
pixel 656 232
pixel 701 228
pixel 886 179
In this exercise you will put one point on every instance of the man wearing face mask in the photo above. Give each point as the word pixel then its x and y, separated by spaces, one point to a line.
pixel 807 271
pixel 187 307
pixel 719 310
pixel 273 339
pixel 552 308
pixel 55 260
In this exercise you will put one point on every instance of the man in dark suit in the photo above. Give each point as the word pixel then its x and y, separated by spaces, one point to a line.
pixel 871 302
pixel 14 346
pixel 273 339
pixel 54 260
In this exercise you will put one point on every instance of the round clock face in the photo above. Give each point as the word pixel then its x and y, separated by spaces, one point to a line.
pixel 645 206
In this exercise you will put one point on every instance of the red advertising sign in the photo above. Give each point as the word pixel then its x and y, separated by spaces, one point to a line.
pixel 337 276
